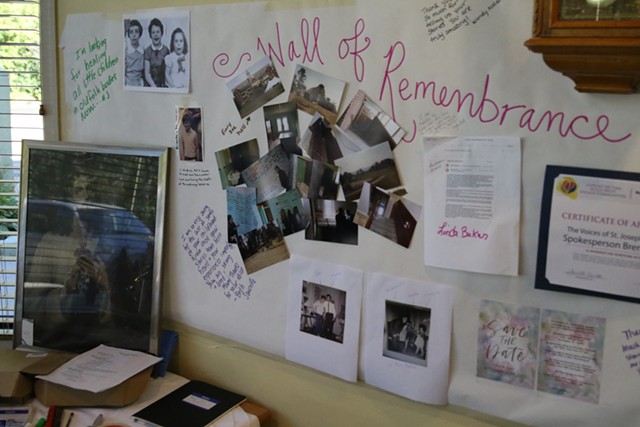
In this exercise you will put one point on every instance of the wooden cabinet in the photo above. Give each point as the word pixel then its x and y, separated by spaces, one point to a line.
pixel 596 43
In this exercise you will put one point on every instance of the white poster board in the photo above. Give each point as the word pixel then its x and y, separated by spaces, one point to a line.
pixel 438 68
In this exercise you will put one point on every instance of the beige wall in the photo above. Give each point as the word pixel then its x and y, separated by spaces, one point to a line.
pixel 295 395
pixel 301 397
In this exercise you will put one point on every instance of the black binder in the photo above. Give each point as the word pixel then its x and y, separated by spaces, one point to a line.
pixel 195 404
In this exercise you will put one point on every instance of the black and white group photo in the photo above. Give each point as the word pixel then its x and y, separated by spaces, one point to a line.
pixel 156 53
pixel 406 332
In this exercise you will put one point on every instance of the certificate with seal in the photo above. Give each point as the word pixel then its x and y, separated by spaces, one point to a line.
pixel 589 238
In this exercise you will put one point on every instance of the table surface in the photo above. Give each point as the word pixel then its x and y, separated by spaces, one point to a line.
pixel 247 415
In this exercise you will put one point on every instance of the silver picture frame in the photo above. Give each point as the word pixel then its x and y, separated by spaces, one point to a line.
pixel 90 246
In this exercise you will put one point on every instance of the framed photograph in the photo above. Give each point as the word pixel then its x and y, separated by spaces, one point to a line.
pixel 90 246
pixel 589 238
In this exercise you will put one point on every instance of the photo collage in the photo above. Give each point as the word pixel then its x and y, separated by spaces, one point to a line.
pixel 326 180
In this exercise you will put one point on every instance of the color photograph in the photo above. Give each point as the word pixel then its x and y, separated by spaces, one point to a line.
pixel 262 247
pixel 375 165
pixel 368 125
pixel 281 125
pixel 319 140
pixel 315 179
pixel 189 135
pixel 270 175
pixel 316 92
pixel 287 210
pixel 387 214
pixel 235 159
pixel 332 221
pixel 322 311
pixel 255 86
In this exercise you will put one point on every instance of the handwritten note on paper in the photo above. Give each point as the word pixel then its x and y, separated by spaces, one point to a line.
pixel 196 177
pixel 93 73
pixel 447 16
pixel 572 348
pixel 206 245
pixel 631 348
pixel 508 343
pixel 439 123
pixel 230 128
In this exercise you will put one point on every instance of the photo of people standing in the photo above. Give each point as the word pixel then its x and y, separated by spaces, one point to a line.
pixel 322 311
pixel 157 53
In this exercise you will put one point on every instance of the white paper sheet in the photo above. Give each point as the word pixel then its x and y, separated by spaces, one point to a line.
pixel 336 353
pixel 101 368
pixel 472 204
pixel 405 372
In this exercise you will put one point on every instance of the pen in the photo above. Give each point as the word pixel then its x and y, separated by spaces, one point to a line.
pixel 50 416
pixel 69 419
pixel 97 421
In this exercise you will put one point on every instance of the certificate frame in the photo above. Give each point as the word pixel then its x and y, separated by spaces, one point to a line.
pixel 610 245
pixel 90 246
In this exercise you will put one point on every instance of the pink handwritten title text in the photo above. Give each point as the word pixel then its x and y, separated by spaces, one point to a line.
pixel 395 89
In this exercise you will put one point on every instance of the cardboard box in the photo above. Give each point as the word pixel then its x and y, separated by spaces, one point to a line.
pixel 18 370
pixel 123 394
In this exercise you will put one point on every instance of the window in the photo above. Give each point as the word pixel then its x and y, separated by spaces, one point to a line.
pixel 24 63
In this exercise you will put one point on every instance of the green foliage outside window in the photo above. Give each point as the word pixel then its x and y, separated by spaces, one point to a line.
pixel 20 48
pixel 20 64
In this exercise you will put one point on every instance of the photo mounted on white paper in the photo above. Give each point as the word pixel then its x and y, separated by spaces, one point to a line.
pixel 407 337
pixel 323 316
pixel 156 52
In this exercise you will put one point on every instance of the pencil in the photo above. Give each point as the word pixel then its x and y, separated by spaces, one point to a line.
pixel 69 420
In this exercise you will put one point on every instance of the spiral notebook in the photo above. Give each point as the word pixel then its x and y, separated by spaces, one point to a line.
pixel 195 404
